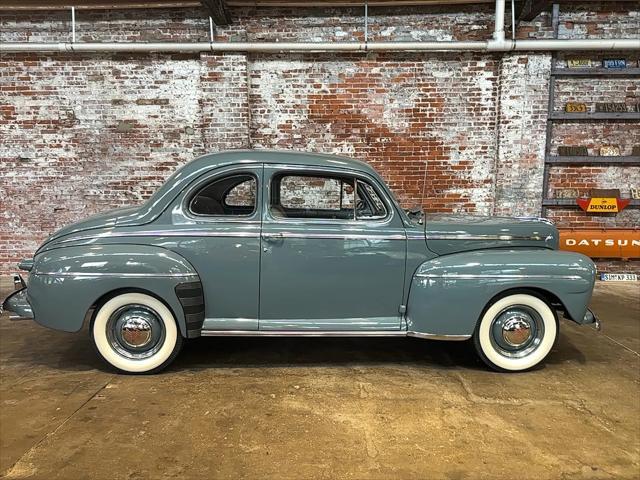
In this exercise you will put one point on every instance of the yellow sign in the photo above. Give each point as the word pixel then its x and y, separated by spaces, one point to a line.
pixel 578 62
pixel 609 151
pixel 602 205
pixel 575 107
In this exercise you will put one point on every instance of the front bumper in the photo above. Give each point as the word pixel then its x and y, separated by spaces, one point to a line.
pixel 592 318
pixel 17 302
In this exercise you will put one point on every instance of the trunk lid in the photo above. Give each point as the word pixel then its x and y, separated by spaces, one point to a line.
pixel 102 220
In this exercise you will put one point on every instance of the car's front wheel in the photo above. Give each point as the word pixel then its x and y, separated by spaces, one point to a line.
pixel 516 332
pixel 136 333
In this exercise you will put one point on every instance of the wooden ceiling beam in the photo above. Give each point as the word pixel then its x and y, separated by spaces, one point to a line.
pixel 218 11
pixel 525 8
pixel 94 4
pixel 349 3
pixel 531 9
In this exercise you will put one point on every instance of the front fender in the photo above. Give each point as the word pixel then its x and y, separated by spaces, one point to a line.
pixel 449 293
pixel 66 282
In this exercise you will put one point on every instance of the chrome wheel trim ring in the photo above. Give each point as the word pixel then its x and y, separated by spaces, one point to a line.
pixel 517 331
pixel 135 331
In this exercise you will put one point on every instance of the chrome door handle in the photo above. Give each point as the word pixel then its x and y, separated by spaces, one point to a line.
pixel 272 237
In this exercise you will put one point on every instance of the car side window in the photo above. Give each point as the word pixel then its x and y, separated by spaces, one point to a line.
pixel 324 197
pixel 369 205
pixel 233 195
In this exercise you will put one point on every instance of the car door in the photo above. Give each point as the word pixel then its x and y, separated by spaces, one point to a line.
pixel 332 258
pixel 220 216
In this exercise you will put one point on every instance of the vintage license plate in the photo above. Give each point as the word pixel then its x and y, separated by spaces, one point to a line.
pixel 614 63
pixel 610 151
pixel 578 62
pixel 611 107
pixel 619 277
pixel 571 151
pixel 565 193
pixel 635 193
pixel 572 107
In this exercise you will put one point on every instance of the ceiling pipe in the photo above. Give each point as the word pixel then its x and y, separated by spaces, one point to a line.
pixel 277 47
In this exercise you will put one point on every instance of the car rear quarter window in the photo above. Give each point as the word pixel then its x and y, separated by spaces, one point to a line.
pixel 234 195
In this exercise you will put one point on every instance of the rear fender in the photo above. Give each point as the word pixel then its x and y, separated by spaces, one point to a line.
pixel 449 293
pixel 65 283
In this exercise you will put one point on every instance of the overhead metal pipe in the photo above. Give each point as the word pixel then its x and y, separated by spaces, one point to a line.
pixel 558 45
pixel 274 47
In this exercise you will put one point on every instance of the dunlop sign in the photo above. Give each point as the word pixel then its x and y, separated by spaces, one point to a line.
pixel 603 243
pixel 602 204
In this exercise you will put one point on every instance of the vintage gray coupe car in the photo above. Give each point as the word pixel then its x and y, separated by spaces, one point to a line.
pixel 273 243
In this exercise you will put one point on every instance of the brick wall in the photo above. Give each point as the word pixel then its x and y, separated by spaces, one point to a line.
pixel 82 133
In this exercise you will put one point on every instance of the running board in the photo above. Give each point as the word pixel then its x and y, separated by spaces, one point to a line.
pixel 335 333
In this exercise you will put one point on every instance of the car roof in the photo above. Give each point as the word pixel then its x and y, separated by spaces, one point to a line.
pixel 288 157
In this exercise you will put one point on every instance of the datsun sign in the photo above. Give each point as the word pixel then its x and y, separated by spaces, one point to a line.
pixel 602 243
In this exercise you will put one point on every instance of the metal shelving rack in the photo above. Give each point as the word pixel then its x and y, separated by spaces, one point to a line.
pixel 555 116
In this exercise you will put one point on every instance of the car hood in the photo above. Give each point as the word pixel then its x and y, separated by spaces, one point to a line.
pixel 450 234
pixel 100 221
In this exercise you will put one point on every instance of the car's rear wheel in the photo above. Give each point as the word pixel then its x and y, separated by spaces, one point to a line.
pixel 516 333
pixel 136 333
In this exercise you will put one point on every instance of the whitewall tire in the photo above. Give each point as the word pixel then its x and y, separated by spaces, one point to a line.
pixel 516 332
pixel 136 333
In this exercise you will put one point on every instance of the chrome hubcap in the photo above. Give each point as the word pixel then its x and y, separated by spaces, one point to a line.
pixel 135 331
pixel 517 331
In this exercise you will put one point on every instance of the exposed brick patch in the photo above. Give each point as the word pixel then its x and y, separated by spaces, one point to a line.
pixel 400 113
pixel 524 90
pixel 617 266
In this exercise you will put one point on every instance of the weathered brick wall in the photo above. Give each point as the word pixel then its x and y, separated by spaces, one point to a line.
pixel 398 112
pixel 82 133
pixel 524 90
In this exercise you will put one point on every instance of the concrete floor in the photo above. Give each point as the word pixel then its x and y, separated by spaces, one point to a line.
pixel 326 408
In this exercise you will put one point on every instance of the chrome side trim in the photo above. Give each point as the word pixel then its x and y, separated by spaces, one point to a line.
pixel 114 274
pixel 302 333
pixel 415 236
pixel 465 236
pixel 350 333
pixel 434 336
pixel 206 233
pixel 343 236
pixel 495 275
pixel 163 233
pixel 536 219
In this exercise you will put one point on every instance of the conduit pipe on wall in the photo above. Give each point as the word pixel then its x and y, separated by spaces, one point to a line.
pixel 498 29
pixel 274 47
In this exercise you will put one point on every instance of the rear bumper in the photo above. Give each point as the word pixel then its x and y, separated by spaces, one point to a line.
pixel 17 303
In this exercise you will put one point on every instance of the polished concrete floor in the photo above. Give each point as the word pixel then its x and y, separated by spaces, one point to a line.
pixel 326 408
